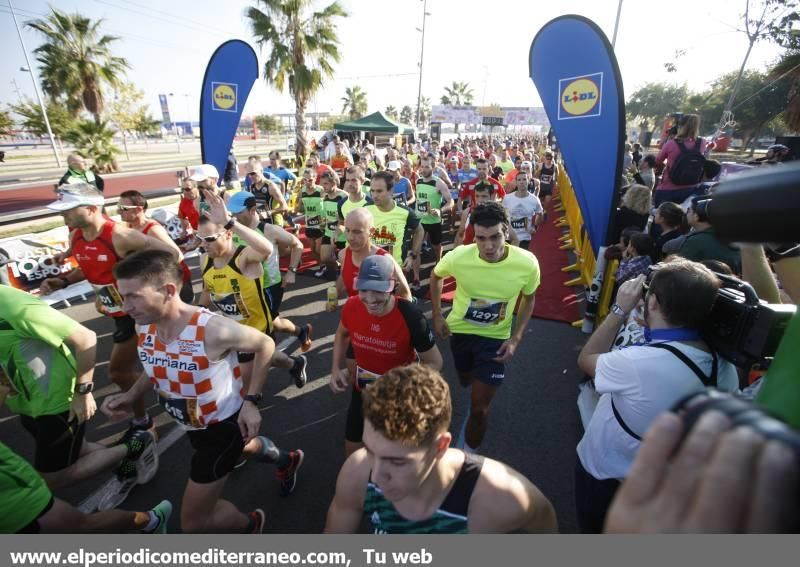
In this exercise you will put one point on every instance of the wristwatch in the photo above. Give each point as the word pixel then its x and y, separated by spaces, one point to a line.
pixel 254 398
pixel 617 310
pixel 84 388
pixel 413 254
pixel 293 269
pixel 229 225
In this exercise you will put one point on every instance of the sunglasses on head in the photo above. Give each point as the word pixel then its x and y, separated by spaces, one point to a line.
pixel 211 237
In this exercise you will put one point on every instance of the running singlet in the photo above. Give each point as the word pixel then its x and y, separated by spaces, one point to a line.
pixel 547 175
pixel 236 296
pixel 23 492
pixel 312 208
pixel 350 271
pixel 187 210
pixel 467 192
pixel 330 208
pixel 383 343
pixel 428 198
pixel 347 205
pixel 37 365
pixel 401 191
pixel 486 293
pixel 390 229
pixel 194 390
pixel 449 518
pixel 339 162
pixel 97 259
pixel 187 274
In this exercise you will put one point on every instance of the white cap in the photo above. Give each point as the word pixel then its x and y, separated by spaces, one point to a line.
pixel 203 172
pixel 71 195
pixel 393 165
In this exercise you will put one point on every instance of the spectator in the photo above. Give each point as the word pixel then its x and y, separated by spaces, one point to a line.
pixel 702 244
pixel 634 210
pixel 637 154
pixel 77 173
pixel 230 177
pixel 636 258
pixel 686 136
pixel 646 175
pixel 637 383
pixel 627 159
pixel 671 220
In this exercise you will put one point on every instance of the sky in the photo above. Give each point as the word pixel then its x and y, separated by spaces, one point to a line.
pixel 485 44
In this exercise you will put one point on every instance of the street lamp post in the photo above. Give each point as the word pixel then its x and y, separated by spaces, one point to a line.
pixel 177 134
pixel 35 86
pixel 425 15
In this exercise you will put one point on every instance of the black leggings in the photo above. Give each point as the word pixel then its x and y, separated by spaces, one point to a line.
pixel 592 499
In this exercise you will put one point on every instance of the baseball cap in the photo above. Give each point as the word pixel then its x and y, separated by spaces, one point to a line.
pixel 73 195
pixel 203 172
pixel 393 165
pixel 376 274
pixel 241 201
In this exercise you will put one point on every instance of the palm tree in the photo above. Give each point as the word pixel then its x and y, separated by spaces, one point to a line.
pixel 406 115
pixel 457 94
pixel 76 61
pixel 302 46
pixel 96 140
pixel 391 112
pixel 425 111
pixel 354 102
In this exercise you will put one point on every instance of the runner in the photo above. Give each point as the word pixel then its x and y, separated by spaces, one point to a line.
pixel 384 332
pixel 47 363
pixel 98 244
pixel 357 227
pixel 332 198
pixel 407 480
pixel 132 208
pixel 433 202
pixel 309 204
pixel 490 275
pixel 243 207
pixel 233 282
pixel 27 506
pixel 402 189
pixel 355 189
pixel 524 210
pixel 189 206
pixel 189 357
pixel 267 193
pixel 548 176
pixel 395 225
pixel 466 197
pixel 483 193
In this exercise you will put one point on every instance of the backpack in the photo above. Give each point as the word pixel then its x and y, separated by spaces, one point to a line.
pixel 688 168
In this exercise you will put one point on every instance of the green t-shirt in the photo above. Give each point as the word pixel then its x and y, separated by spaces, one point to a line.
pixel 486 293
pixel 391 228
pixel 40 369
pixel 506 166
pixel 348 205
pixel 312 207
pixel 330 208
pixel 23 492
pixel 428 198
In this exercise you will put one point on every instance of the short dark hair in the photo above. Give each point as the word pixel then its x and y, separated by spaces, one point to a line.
pixel 672 213
pixel 481 160
pixel 642 243
pixel 387 178
pixel 484 186
pixel 134 197
pixel 686 292
pixel 155 267
pixel 489 214
pixel 627 232
pixel 650 160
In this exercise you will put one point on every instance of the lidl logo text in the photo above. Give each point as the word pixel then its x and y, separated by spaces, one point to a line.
pixel 580 96
pixel 224 96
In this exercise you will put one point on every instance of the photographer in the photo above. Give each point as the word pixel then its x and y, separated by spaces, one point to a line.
pixel 639 382
pixel 702 243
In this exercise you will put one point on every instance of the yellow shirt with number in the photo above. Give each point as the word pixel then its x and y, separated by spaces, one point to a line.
pixel 486 293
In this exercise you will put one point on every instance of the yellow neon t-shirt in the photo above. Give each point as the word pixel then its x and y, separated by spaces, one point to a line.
pixel 486 293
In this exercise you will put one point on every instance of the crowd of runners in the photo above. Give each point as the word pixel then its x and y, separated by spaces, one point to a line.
pixel 361 221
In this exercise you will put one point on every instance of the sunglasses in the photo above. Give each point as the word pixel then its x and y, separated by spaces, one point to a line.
pixel 252 173
pixel 211 237
pixel 123 208
pixel 187 188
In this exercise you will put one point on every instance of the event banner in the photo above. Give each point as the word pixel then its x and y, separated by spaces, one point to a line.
pixel 230 75
pixel 27 260
pixel 574 69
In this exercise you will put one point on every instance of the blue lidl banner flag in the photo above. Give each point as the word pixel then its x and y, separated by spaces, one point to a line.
pixel 574 69
pixel 230 75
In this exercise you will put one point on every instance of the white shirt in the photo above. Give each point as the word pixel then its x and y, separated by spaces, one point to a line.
pixel 521 210
pixel 645 382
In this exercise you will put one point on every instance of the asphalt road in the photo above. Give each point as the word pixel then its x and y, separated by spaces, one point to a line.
pixel 534 422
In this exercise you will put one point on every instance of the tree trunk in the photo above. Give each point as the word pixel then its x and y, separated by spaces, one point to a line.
pixel 301 143
pixel 125 145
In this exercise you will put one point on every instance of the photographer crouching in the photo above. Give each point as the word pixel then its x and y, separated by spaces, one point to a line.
pixel 639 382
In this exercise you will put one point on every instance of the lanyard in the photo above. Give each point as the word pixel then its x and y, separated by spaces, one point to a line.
pixel 669 335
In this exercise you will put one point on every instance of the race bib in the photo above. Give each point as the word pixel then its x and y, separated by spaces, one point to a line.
pixel 546 178
pixel 231 305
pixel 519 224
pixel 333 225
pixel 364 378
pixel 423 206
pixel 400 198
pixel 109 298
pixel 485 312
pixel 182 410
pixel 313 222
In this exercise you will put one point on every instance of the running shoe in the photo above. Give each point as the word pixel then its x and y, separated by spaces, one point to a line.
pixel 288 475
pixel 322 271
pixel 121 485
pixel 142 451
pixel 298 371
pixel 259 519
pixel 133 427
pixel 305 337
pixel 162 512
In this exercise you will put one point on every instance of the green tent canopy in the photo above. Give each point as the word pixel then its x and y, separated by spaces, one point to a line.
pixel 375 122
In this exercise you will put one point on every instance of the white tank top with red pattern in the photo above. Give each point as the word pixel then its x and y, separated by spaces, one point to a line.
pixel 194 390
